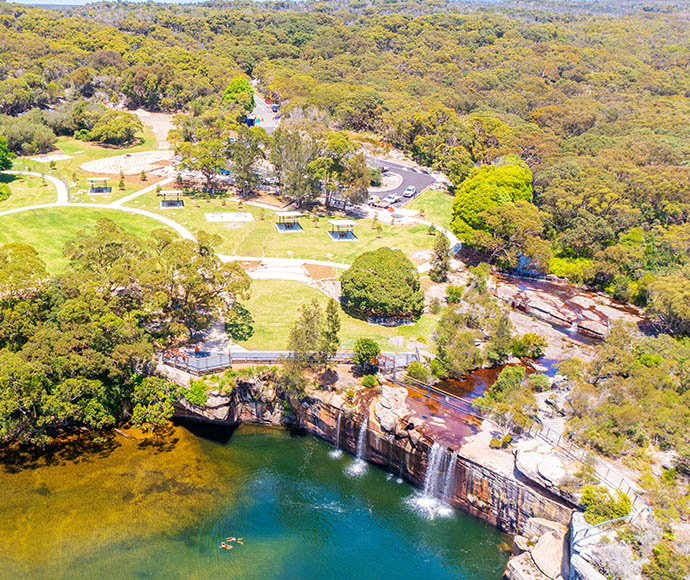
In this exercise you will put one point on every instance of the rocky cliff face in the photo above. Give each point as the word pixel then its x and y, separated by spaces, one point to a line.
pixel 393 440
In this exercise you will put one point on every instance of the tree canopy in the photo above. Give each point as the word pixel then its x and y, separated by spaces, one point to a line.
pixel 384 283
pixel 73 347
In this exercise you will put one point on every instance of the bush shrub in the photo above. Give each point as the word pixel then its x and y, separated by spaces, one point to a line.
pixel 667 564
pixel 4 191
pixel 197 394
pixel 538 382
pixel 574 269
pixel 601 506
pixel 369 381
pixel 506 440
pixel 365 352
pixel 454 293
pixel 495 443
pixel 418 371
pixel 530 345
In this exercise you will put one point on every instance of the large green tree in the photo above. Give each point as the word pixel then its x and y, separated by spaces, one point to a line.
pixel 383 283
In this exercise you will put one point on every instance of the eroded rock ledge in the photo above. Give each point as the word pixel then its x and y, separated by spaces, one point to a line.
pixel 395 439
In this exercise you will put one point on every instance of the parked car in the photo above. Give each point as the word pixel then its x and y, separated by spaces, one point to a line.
pixel 391 199
pixel 383 169
pixel 267 101
pixel 411 191
pixel 274 107
pixel 374 200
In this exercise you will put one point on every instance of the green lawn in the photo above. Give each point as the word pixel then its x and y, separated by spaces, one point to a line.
pixel 275 305
pixel 69 169
pixel 260 237
pixel 27 190
pixel 436 205
pixel 47 230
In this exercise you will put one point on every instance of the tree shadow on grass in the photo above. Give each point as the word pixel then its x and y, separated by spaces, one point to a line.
pixel 8 178
pixel 239 324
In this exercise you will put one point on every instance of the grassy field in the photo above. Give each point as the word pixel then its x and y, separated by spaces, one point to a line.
pixel 26 190
pixel 261 238
pixel 436 205
pixel 69 169
pixel 47 230
pixel 275 306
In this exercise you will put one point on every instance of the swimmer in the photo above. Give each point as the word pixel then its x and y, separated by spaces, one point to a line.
pixel 226 546
pixel 230 539
pixel 240 541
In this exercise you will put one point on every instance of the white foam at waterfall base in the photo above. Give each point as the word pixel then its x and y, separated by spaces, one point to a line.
pixel 426 502
pixel 359 467
pixel 335 453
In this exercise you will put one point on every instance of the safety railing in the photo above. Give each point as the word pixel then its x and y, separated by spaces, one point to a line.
pixel 203 363
pixel 604 473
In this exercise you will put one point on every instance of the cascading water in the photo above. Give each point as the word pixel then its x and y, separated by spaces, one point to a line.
pixel 337 452
pixel 449 480
pixel 432 501
pixel 359 466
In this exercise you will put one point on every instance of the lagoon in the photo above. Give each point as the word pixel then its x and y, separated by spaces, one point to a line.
pixel 138 507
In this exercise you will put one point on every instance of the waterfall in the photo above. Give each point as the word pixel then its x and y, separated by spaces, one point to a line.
pixel 336 453
pixel 433 499
pixel 433 469
pixel 449 480
pixel 359 466
pixel 361 438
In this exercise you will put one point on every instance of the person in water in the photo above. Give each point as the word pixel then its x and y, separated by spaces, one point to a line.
pixel 226 546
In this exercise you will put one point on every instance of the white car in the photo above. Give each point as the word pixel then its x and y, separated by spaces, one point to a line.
pixel 411 191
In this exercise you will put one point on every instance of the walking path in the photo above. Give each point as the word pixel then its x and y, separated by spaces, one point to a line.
pixel 120 202
pixel 271 268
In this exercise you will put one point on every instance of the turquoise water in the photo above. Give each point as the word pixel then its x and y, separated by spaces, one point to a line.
pixel 300 516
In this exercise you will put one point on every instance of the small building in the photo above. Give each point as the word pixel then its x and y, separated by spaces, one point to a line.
pixel 342 230
pixel 98 185
pixel 288 221
pixel 171 198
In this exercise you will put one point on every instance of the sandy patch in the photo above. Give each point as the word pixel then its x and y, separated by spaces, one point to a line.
pixel 51 157
pixel 129 163
pixel 319 272
pixel 160 123
pixel 422 256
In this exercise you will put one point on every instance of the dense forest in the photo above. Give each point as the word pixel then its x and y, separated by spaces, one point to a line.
pixel 578 112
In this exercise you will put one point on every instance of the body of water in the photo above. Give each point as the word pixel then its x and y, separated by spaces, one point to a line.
pixel 160 508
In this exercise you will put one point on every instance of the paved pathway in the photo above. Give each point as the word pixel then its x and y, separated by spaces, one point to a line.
pixel 271 268
pixel 136 194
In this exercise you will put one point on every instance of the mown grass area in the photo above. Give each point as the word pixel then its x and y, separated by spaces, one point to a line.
pixel 436 205
pixel 69 170
pixel 49 229
pixel 275 305
pixel 26 190
pixel 260 238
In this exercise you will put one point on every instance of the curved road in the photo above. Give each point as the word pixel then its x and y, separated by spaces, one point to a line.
pixel 410 176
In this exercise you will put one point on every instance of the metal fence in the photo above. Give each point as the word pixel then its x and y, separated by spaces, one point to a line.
pixel 204 363
pixel 604 472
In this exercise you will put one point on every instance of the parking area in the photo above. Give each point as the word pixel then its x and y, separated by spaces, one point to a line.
pixel 413 182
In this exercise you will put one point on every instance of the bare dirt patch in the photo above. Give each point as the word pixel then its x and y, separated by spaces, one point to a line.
pixel 160 124
pixel 129 163
pixel 319 272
